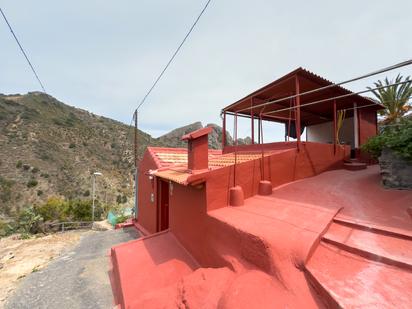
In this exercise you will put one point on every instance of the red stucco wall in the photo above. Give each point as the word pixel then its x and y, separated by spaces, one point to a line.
pixel 147 213
pixel 206 238
pixel 367 124
pixel 188 205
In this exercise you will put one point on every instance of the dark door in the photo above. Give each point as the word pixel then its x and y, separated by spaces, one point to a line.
pixel 164 205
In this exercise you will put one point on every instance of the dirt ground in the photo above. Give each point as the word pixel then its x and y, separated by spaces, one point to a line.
pixel 20 257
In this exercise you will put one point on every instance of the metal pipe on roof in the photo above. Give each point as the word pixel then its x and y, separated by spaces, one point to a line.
pixel 267 116
pixel 395 66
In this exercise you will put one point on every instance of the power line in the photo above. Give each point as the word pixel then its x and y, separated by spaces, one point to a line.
pixel 392 67
pixel 337 97
pixel 22 50
pixel 174 55
pixel 135 114
pixel 127 136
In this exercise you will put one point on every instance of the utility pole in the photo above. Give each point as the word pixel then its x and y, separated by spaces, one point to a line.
pixel 136 163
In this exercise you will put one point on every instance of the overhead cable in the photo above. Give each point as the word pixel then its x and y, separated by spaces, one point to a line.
pixel 337 97
pixel 386 69
pixel 22 50
pixel 173 56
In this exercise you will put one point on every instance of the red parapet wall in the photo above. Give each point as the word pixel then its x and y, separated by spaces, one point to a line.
pixel 279 168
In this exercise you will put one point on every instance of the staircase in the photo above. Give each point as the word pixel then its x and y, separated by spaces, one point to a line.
pixel 355 266
pixel 354 165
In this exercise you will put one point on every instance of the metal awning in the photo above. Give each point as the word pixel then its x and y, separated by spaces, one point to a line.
pixel 260 103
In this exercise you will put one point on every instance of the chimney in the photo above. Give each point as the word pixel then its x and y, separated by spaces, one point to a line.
pixel 197 149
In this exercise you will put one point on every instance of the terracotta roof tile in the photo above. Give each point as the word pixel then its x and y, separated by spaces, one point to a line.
pixel 177 171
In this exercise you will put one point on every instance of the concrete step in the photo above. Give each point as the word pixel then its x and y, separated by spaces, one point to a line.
pixel 354 166
pixel 352 160
pixel 369 226
pixel 147 264
pixel 371 244
pixel 347 280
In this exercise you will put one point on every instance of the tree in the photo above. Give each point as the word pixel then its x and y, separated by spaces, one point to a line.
pixel 395 98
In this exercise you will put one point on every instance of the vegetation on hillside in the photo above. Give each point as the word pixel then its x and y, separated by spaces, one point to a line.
pixel 49 151
pixel 43 218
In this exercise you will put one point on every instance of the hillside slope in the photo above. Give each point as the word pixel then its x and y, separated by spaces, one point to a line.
pixel 48 148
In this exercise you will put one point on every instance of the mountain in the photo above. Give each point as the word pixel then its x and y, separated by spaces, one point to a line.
pixel 173 138
pixel 48 148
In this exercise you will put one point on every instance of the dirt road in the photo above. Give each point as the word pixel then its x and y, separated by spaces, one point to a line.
pixel 77 279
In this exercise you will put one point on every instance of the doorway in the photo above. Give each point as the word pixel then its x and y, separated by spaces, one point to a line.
pixel 163 206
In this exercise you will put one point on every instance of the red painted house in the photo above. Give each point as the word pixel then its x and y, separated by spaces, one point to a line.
pixel 270 225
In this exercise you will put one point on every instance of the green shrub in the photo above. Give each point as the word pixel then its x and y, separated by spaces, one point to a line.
pixel 81 210
pixel 72 145
pixel 19 164
pixel 121 199
pixel 54 209
pixel 32 183
pixel 39 192
pixel 86 193
pixel 44 175
pixel 122 218
pixel 26 167
pixel 6 228
pixel 35 170
pixel 397 137
pixel 29 221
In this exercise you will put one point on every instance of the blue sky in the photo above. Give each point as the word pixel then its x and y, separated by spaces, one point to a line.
pixel 104 55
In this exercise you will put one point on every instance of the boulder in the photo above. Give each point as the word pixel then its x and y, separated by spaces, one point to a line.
pixel 396 172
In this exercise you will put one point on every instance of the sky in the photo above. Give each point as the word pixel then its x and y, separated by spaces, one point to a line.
pixel 103 56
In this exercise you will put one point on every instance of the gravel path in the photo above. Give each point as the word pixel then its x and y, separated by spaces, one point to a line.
pixel 77 279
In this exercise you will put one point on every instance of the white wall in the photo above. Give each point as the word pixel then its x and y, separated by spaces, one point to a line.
pixel 323 133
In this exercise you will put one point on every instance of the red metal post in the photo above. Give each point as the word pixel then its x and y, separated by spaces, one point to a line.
pixel 290 117
pixel 224 131
pixel 235 134
pixel 262 154
pixel 253 121
pixel 297 120
pixel 334 127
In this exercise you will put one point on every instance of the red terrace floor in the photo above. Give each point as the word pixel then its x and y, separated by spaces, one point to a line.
pixel 337 239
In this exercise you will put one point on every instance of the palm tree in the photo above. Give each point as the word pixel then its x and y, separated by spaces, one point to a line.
pixel 395 98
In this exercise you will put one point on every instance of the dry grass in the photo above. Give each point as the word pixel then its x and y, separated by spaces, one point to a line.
pixel 20 257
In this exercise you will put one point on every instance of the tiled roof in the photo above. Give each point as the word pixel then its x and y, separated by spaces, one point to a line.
pixel 178 172
pixel 166 157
